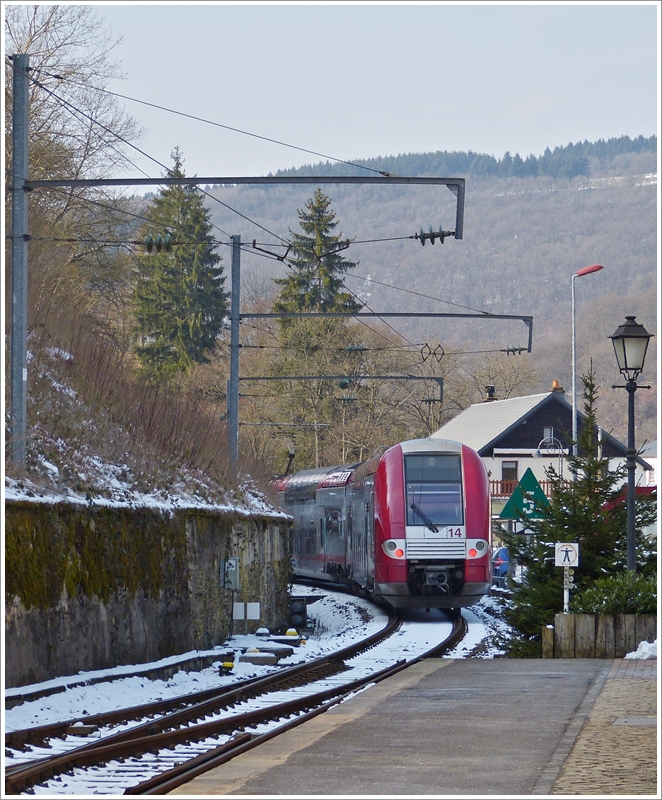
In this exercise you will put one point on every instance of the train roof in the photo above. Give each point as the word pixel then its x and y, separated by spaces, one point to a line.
pixel 307 481
pixel 431 445
pixel 304 483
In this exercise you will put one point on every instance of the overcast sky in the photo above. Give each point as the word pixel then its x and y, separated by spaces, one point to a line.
pixel 355 81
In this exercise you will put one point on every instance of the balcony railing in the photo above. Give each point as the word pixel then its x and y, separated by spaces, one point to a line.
pixel 506 488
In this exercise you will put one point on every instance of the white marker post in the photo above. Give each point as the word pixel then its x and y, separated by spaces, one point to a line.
pixel 567 556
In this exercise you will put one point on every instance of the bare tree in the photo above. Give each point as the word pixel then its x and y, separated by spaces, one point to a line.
pixel 76 130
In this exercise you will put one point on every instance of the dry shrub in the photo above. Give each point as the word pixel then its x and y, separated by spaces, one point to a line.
pixel 169 422
pixel 84 392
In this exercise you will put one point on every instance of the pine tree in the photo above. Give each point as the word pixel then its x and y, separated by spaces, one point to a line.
pixel 179 302
pixel 318 266
pixel 587 510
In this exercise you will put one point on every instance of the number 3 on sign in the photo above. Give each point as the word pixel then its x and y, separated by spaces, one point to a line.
pixel 567 554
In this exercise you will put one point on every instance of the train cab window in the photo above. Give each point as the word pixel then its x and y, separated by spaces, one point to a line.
pixel 434 489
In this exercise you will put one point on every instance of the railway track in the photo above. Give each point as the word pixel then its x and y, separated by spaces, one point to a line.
pixel 172 741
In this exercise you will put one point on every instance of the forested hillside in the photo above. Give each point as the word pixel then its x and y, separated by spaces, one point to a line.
pixel 567 161
pixel 524 237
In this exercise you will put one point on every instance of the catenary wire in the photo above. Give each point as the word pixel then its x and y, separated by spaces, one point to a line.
pixel 219 125
pixel 75 110
pixel 419 294
pixel 123 243
pixel 204 192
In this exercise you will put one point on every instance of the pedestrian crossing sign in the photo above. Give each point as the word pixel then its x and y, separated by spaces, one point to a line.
pixel 528 499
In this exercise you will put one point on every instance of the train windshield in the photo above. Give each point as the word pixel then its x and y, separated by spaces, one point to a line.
pixel 434 490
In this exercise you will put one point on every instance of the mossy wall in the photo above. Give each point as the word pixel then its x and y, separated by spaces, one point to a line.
pixel 96 587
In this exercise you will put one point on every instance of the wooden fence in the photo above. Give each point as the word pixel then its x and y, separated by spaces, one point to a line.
pixel 597 635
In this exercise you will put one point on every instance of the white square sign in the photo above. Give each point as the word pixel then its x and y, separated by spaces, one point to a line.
pixel 567 554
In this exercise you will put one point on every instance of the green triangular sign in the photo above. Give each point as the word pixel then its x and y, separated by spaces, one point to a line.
pixel 526 500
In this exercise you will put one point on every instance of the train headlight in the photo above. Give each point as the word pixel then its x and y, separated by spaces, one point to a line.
pixel 395 548
pixel 477 548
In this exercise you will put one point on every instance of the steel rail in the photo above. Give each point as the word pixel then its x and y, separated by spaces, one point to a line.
pixel 183 773
pixel 240 690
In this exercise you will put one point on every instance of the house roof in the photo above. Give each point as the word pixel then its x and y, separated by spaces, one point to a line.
pixel 649 450
pixel 480 425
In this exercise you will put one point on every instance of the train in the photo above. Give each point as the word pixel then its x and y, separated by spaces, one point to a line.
pixel 410 527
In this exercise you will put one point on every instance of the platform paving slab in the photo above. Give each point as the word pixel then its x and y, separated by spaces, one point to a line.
pixel 441 727
pixel 615 752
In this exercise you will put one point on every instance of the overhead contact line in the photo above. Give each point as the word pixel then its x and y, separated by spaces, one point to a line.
pixel 217 124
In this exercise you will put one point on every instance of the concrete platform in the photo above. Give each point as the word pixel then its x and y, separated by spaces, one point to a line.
pixel 467 727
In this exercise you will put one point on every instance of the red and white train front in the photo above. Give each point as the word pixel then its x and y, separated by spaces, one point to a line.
pixel 411 526
pixel 432 525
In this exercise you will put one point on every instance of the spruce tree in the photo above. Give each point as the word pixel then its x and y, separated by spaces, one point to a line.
pixel 315 283
pixel 314 346
pixel 587 509
pixel 179 302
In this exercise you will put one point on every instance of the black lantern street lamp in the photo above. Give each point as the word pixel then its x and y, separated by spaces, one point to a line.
pixel 630 345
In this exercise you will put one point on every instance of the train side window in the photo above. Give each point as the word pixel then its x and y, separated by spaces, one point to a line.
pixel 332 521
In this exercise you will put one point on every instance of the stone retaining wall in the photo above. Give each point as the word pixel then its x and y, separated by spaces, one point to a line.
pixel 98 587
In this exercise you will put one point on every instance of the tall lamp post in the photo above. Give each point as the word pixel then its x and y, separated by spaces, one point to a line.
pixel 580 273
pixel 630 344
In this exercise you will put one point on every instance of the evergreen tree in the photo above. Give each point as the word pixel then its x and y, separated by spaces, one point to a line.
pixel 314 346
pixel 588 510
pixel 179 303
pixel 318 266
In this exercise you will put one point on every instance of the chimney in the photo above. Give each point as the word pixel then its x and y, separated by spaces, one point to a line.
pixel 556 388
pixel 490 394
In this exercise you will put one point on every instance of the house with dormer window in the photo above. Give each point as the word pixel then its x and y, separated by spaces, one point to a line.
pixel 533 432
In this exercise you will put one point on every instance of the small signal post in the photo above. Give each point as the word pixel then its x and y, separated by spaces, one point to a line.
pixel 567 556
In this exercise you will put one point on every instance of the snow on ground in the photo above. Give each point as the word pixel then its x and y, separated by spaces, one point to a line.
pixel 340 620
pixel 71 471
pixel 645 650
pixel 485 627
